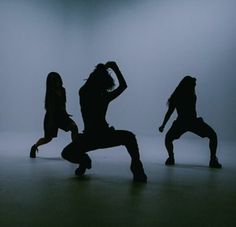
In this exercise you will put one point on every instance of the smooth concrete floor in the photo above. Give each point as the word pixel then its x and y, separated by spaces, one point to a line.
pixel 45 192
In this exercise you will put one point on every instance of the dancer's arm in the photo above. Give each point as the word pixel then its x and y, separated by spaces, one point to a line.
pixel 167 117
pixel 122 83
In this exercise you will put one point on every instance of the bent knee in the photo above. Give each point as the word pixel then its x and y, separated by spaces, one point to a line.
pixel 169 138
pixel 64 153
pixel 74 128
pixel 212 135
pixel 48 139
pixel 127 137
pixel 67 151
pixel 130 136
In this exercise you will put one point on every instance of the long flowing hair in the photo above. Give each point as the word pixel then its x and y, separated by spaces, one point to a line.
pixel 100 79
pixel 53 83
pixel 185 89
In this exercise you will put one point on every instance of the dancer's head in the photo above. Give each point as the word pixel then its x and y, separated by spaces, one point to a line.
pixel 100 79
pixel 54 81
pixel 187 83
pixel 185 88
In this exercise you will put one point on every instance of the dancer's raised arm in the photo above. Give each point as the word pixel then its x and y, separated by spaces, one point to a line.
pixel 122 83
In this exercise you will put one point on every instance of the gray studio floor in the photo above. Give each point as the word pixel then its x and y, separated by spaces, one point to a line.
pixel 45 192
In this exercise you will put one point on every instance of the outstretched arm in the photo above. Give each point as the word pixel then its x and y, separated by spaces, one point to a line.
pixel 122 84
pixel 167 117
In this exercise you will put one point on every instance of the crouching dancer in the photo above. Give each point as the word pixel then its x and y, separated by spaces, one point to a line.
pixel 95 96
pixel 183 100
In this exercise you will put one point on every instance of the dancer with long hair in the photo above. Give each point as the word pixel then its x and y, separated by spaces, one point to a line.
pixel 95 96
pixel 56 116
pixel 183 100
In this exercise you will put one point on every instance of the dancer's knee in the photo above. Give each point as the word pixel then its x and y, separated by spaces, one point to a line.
pixel 209 133
pixel 47 139
pixel 132 136
pixel 212 135
pixel 74 128
pixel 65 152
pixel 168 139
pixel 72 152
pixel 68 152
pixel 129 137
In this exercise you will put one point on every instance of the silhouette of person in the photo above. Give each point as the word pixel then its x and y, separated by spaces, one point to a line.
pixel 95 96
pixel 56 115
pixel 183 99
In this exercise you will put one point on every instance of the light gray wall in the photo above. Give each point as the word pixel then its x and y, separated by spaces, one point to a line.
pixel 155 43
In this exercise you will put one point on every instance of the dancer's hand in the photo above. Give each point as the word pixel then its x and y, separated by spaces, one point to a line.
pixel 111 65
pixel 161 128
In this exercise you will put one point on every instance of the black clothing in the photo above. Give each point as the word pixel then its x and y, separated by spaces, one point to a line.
pixel 51 127
pixel 111 138
pixel 56 116
pixel 93 108
pixel 94 101
pixel 196 126
pixel 186 107
pixel 97 133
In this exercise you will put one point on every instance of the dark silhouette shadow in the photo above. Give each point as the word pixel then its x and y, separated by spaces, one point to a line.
pixel 56 116
pixel 190 166
pixel 183 100
pixel 95 96
pixel 83 178
pixel 51 158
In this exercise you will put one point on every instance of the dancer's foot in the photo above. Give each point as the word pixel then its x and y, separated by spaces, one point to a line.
pixel 214 163
pixel 138 172
pixel 85 163
pixel 170 161
pixel 33 151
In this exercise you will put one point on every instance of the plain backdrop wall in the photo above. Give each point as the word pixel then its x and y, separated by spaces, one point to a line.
pixel 155 43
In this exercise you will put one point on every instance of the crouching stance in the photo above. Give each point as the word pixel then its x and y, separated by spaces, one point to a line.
pixel 56 116
pixel 183 99
pixel 95 96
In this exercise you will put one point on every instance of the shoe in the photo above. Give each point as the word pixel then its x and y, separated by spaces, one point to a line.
pixel 170 161
pixel 138 172
pixel 214 163
pixel 33 151
pixel 85 163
